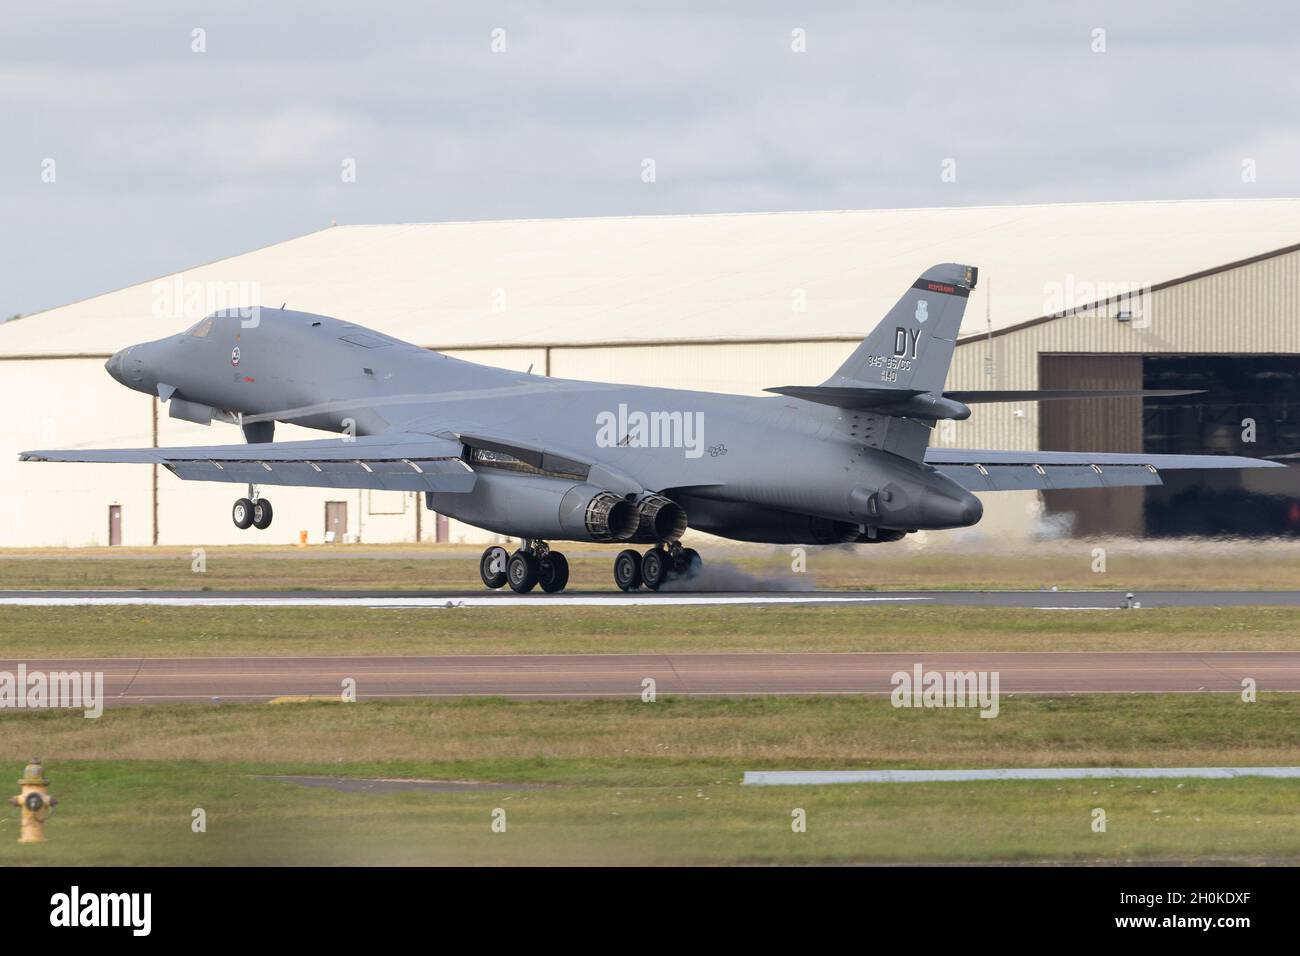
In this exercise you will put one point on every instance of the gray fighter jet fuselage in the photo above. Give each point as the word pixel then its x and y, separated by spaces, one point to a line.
pixel 547 459
pixel 768 452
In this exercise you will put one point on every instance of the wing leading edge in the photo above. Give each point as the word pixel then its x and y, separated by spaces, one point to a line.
pixel 982 469
pixel 403 462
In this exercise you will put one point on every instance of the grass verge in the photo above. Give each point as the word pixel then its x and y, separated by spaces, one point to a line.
pixel 1069 565
pixel 29 632
pixel 632 783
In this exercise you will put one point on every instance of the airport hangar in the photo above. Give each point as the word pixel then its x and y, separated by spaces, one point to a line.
pixel 1202 294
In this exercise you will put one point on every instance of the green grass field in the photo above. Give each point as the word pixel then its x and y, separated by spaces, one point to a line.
pixel 239 631
pixel 629 783
pixel 634 783
pixel 1065 564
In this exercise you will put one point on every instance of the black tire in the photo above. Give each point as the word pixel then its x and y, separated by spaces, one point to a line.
pixel 553 572
pixel 242 514
pixel 522 572
pixel 492 567
pixel 262 514
pixel 627 570
pixel 654 569
pixel 688 563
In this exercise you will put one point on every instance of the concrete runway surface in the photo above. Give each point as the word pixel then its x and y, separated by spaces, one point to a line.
pixel 159 680
pixel 1045 600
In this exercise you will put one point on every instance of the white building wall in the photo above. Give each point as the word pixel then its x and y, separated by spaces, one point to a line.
pixel 48 405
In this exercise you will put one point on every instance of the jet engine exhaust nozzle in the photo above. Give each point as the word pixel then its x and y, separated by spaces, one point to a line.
pixel 610 518
pixel 659 519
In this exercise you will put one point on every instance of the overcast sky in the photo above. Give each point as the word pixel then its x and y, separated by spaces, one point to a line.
pixel 164 157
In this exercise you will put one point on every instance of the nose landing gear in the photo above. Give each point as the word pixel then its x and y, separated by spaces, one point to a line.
pixel 532 565
pixel 252 512
pixel 662 563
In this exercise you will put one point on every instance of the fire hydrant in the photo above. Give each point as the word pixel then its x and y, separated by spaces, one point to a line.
pixel 35 801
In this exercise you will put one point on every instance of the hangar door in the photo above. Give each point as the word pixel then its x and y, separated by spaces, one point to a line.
pixel 1250 405
pixel 1111 424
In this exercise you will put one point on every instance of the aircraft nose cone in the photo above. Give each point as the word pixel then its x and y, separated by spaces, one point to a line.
pixel 114 365
pixel 132 366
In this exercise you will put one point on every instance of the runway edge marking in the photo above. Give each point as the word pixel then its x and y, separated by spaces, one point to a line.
pixel 781 778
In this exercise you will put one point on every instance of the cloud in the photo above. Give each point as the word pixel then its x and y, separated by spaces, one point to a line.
pixel 166 157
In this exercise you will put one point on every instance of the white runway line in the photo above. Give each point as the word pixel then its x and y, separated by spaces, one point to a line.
pixel 781 778
pixel 533 601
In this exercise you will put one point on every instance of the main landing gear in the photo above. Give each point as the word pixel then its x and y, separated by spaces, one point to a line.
pixel 532 565
pixel 661 563
pixel 252 512
pixel 535 564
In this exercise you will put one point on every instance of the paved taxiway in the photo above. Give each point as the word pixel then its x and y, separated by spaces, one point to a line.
pixel 155 680
pixel 1048 600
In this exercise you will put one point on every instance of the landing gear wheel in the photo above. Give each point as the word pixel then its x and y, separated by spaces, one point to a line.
pixel 687 563
pixel 654 568
pixel 522 572
pixel 627 570
pixel 262 514
pixel 553 572
pixel 492 567
pixel 242 514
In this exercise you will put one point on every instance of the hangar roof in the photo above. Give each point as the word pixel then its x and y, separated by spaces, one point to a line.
pixel 728 277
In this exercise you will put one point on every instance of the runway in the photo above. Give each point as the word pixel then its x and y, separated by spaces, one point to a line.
pixel 1044 600
pixel 156 680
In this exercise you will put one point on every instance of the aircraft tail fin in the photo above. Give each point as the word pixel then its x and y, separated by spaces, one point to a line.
pixel 912 346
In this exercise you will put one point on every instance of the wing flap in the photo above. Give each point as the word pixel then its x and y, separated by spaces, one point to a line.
pixel 406 462
pixel 982 469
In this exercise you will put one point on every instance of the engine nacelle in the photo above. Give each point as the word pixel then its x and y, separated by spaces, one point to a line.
pixel 602 516
pixel 534 506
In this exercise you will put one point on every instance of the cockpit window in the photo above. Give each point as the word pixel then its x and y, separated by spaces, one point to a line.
pixel 201 329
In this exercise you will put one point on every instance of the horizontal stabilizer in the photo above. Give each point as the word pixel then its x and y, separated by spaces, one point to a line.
pixel 840 396
pixel 917 403
pixel 1057 394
